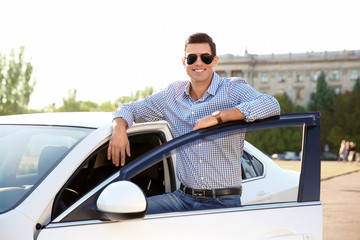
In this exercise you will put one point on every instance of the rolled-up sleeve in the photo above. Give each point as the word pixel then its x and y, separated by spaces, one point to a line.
pixel 146 110
pixel 251 103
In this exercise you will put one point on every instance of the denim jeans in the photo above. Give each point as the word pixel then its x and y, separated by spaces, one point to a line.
pixel 178 201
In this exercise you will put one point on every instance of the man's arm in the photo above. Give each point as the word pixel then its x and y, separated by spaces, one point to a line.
pixel 119 145
pixel 226 115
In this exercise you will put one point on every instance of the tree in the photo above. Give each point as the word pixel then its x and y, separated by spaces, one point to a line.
pixel 139 94
pixel 16 83
pixel 107 106
pixel 346 124
pixel 357 85
pixel 323 99
pixel 70 104
pixel 287 139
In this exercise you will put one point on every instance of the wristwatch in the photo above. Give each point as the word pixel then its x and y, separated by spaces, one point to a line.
pixel 216 114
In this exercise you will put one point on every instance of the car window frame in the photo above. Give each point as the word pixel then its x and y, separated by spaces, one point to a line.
pixel 252 159
pixel 169 171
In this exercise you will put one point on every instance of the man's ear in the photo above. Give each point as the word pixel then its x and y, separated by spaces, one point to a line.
pixel 216 60
pixel 183 61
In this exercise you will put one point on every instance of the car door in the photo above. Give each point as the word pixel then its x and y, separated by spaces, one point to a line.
pixel 295 219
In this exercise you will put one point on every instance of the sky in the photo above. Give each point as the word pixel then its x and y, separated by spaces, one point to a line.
pixel 106 49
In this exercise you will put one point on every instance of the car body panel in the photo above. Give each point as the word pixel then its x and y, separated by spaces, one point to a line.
pixel 260 224
pixel 251 221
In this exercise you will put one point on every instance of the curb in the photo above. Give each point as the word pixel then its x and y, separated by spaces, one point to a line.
pixel 339 175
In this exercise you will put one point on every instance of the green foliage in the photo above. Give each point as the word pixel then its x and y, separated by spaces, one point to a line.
pixel 71 104
pixel 139 94
pixel 357 85
pixel 277 140
pixel 16 83
pixel 286 139
pixel 107 106
pixel 323 99
pixel 345 123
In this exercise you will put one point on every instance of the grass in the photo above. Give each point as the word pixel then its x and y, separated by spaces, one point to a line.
pixel 328 168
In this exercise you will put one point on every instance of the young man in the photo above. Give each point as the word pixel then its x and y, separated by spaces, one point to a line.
pixel 204 101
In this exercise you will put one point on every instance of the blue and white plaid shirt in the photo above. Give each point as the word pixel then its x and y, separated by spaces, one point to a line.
pixel 216 164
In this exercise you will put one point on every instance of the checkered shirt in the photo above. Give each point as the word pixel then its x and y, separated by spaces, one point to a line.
pixel 209 164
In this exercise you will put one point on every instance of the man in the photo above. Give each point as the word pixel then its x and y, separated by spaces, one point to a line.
pixel 204 101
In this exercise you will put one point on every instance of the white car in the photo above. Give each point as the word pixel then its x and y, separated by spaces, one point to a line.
pixel 56 182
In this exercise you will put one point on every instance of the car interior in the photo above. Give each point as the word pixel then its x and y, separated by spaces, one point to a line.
pixel 97 168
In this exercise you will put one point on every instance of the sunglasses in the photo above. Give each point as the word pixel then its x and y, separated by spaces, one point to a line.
pixel 205 57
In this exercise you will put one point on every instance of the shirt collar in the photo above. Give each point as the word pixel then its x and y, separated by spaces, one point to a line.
pixel 215 82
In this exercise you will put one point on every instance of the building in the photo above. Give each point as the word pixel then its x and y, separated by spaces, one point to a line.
pixel 295 74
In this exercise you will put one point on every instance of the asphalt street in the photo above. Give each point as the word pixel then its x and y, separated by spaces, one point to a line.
pixel 340 198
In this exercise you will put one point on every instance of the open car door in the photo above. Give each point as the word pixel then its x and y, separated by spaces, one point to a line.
pixel 98 216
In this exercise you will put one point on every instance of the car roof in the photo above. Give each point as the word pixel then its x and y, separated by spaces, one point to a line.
pixel 75 119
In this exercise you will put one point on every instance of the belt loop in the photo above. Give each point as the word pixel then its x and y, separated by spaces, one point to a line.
pixel 213 193
pixel 184 190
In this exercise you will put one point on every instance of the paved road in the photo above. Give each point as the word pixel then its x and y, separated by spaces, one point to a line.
pixel 340 198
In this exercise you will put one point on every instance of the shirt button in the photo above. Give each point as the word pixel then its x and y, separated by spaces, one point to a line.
pixel 201 161
pixel 202 178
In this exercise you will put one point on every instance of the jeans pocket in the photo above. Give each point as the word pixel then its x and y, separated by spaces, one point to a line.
pixel 229 201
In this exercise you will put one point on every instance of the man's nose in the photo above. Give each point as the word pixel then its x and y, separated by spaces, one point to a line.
pixel 198 61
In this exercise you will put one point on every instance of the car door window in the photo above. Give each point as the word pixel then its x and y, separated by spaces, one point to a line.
pixel 97 168
pixel 251 167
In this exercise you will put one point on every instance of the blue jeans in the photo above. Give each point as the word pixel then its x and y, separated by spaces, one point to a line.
pixel 178 201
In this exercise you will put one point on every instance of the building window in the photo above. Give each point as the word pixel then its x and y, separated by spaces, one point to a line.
pixel 336 90
pixel 237 74
pixel 264 77
pixel 299 77
pixel 299 93
pixel 281 77
pixel 354 75
pixel 335 75
pixel 316 76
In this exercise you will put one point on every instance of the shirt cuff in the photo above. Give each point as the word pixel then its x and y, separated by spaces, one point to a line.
pixel 125 115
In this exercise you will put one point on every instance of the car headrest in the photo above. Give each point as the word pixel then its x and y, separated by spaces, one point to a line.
pixel 49 156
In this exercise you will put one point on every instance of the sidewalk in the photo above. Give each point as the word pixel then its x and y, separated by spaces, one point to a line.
pixel 340 198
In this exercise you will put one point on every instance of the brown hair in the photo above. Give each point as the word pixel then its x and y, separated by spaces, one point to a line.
pixel 201 38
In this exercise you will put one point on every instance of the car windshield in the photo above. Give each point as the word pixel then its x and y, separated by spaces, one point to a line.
pixel 28 154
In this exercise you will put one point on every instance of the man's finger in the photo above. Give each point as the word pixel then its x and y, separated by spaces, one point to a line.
pixel 109 152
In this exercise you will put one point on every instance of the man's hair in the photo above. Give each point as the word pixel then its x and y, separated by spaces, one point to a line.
pixel 201 38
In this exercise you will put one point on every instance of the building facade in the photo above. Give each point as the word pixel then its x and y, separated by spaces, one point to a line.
pixel 294 74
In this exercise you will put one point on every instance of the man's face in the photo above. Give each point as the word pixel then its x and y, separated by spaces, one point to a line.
pixel 199 71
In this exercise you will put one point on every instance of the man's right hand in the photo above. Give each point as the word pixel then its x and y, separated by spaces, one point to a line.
pixel 119 145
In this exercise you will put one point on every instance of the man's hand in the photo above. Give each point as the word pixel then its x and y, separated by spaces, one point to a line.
pixel 119 145
pixel 205 122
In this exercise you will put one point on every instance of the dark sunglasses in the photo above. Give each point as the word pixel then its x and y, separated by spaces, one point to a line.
pixel 205 57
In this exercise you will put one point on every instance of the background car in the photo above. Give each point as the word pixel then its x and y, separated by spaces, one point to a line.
pixel 287 155
pixel 329 156
pixel 55 178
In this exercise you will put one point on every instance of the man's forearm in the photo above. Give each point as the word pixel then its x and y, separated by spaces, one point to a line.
pixel 119 124
pixel 231 114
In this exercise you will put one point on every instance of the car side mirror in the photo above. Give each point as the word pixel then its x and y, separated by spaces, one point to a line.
pixel 121 201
